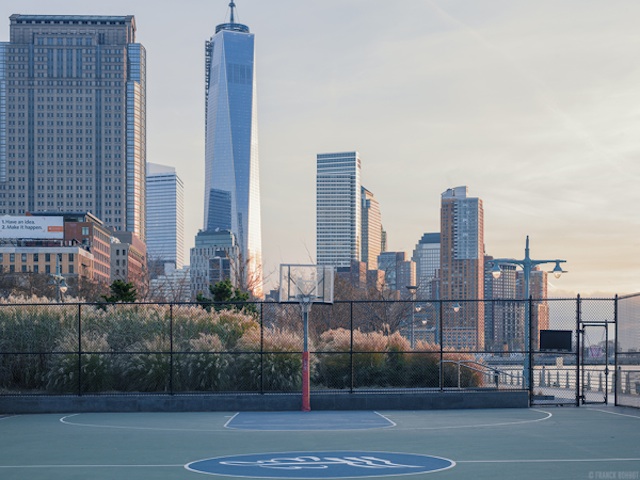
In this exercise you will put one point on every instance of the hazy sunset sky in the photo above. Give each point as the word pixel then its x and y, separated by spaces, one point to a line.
pixel 534 105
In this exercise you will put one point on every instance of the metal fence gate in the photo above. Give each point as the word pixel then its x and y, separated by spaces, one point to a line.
pixel 585 373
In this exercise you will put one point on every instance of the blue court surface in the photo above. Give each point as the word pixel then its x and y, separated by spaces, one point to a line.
pixel 309 421
pixel 524 444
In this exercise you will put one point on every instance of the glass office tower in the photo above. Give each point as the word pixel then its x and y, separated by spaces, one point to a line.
pixel 232 187
pixel 165 216
pixel 338 209
pixel 73 119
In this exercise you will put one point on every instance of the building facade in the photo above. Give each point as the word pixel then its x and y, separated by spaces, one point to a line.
pixel 538 290
pixel 165 217
pixel 129 261
pixel 503 314
pixel 338 209
pixel 371 229
pixel 175 286
pixel 399 272
pixel 213 259
pixel 462 268
pixel 73 118
pixel 232 187
pixel 75 246
pixel 426 256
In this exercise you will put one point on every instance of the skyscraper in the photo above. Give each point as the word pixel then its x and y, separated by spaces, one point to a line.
pixel 73 118
pixel 540 306
pixel 462 268
pixel 232 188
pixel 371 229
pixel 165 217
pixel 399 273
pixel 503 317
pixel 338 209
pixel 426 256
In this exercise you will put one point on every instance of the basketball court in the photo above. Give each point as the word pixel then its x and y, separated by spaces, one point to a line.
pixel 549 443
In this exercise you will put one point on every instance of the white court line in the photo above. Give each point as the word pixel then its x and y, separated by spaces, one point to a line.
pixel 616 413
pixel 552 460
pixel 127 427
pixel 4 417
pixel 226 425
pixel 393 424
pixel 484 425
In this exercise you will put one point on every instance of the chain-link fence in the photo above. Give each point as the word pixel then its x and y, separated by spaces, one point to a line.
pixel 355 346
pixel 628 351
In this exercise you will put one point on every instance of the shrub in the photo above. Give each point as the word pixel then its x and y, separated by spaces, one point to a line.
pixel 97 367
pixel 204 368
pixel 277 369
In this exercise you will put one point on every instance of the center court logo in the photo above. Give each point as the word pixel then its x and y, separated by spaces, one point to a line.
pixel 340 464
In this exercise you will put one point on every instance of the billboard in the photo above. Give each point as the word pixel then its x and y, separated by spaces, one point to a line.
pixel 49 228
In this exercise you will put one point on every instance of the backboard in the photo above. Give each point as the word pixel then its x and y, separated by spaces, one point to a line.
pixel 306 283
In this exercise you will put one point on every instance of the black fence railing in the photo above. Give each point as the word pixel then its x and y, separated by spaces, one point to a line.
pixel 355 346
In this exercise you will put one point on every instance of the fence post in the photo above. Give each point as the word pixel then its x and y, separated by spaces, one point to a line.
pixel 616 366
pixel 171 349
pixel 79 350
pixel 529 348
pixel 578 349
pixel 261 349
pixel 441 369
pixel 351 345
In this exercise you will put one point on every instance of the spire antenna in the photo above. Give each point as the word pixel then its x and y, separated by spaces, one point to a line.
pixel 232 5
pixel 232 25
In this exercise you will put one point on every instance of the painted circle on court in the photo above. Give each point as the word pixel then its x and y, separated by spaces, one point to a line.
pixel 330 464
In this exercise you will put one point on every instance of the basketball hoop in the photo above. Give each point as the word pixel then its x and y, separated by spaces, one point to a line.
pixel 306 285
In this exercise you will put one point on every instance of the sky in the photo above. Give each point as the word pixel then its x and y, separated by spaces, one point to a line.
pixel 534 105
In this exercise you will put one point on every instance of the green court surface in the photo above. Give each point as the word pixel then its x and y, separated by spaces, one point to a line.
pixel 539 443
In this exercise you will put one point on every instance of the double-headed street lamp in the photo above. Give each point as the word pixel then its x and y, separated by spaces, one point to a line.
pixel 59 281
pixel 412 290
pixel 527 265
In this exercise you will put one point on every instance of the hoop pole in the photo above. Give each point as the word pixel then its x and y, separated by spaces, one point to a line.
pixel 306 387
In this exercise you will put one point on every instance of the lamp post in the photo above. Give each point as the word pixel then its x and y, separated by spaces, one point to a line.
pixel 412 290
pixel 59 281
pixel 527 265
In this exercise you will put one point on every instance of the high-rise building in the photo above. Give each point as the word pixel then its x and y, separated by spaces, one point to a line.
pixel 503 314
pixel 165 218
pixel 538 291
pixel 232 188
pixel 73 119
pixel 399 273
pixel 426 256
pixel 462 268
pixel 371 229
pixel 213 260
pixel 338 209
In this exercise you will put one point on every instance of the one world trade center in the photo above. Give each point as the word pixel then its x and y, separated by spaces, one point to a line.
pixel 232 186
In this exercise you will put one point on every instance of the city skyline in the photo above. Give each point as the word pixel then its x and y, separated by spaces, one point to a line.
pixel 531 106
